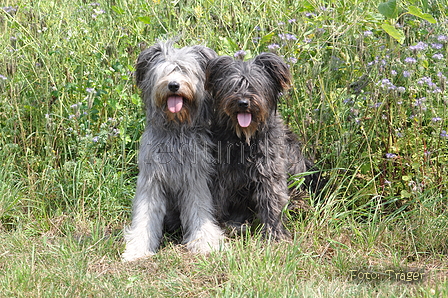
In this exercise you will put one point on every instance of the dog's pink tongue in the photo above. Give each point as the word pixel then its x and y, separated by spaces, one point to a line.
pixel 244 119
pixel 174 103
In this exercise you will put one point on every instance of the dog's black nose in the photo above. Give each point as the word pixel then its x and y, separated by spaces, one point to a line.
pixel 243 103
pixel 173 86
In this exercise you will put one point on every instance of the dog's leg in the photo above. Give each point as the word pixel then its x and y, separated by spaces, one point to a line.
pixel 202 235
pixel 271 197
pixel 149 209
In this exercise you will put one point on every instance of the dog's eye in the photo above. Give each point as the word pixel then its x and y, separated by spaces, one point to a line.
pixel 238 87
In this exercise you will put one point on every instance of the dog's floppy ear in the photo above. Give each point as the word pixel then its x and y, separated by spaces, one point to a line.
pixel 205 54
pixel 144 61
pixel 276 68
pixel 216 70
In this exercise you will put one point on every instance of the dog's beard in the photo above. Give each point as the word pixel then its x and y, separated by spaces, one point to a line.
pixel 247 122
pixel 248 131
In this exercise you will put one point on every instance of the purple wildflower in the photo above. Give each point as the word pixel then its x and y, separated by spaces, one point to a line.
pixel 423 80
pixel 437 56
pixel 443 134
pixel 421 46
pixel 310 15
pixel 273 47
pixel 442 38
pixel 436 119
pixel 2 77
pixel 291 37
pixel 391 155
pixel 115 132
pixel 419 102
pixel 428 82
pixel 240 54
pixel 437 46
pixel 292 21
pixel 368 33
pixel 410 60
pixel 401 89
pixel 386 84
pixel 287 36
pixel 9 9
pixel 348 101
pixel 90 90
pixel 95 139
pixel 406 74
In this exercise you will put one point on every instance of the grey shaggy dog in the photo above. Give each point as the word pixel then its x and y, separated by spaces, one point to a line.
pixel 175 155
pixel 255 150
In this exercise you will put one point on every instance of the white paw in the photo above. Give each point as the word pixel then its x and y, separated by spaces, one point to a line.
pixel 129 255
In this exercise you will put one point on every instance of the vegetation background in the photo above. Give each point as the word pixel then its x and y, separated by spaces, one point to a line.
pixel 369 103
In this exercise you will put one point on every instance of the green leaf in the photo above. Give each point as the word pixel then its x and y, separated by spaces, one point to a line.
pixel 405 194
pixel 248 55
pixel 406 178
pixel 308 6
pixel 136 100
pixel 267 38
pixel 117 9
pixel 229 44
pixel 414 10
pixel 146 20
pixel 398 35
pixel 389 9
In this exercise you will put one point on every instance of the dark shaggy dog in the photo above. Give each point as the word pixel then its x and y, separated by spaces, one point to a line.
pixel 255 148
pixel 175 155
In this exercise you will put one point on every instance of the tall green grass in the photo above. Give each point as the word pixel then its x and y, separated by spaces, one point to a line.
pixel 369 110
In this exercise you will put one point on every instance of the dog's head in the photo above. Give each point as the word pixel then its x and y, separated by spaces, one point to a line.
pixel 245 94
pixel 172 80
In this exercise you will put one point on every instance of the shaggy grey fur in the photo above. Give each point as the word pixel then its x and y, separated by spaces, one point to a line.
pixel 255 150
pixel 175 156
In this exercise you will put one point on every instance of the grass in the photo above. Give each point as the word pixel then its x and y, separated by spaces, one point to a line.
pixel 371 111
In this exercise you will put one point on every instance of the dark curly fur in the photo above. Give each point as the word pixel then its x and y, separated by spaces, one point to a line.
pixel 255 149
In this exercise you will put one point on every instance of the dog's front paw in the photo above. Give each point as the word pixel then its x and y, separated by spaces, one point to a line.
pixel 130 255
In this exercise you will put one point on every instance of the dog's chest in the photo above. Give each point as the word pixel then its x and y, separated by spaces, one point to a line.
pixel 239 154
pixel 175 152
